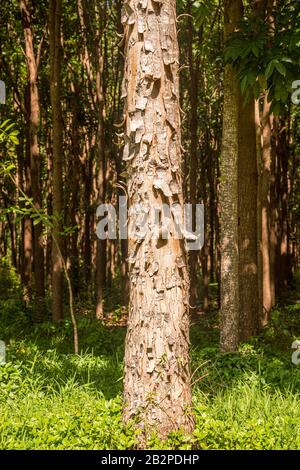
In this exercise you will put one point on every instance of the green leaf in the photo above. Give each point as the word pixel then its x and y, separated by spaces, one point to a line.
pixel 244 83
pixel 255 50
pixel 4 124
pixel 269 69
pixel 276 108
pixel 14 139
pixel 263 82
pixel 280 68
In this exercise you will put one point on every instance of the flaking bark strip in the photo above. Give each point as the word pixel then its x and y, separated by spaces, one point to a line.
pixel 157 376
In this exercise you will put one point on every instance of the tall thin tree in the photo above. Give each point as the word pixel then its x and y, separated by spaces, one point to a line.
pixel 57 138
pixel 32 61
pixel 247 201
pixel 229 194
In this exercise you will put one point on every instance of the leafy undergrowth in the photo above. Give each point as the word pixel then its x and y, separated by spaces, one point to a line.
pixel 51 399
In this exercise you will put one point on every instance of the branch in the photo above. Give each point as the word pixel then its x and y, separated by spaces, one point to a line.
pixel 39 48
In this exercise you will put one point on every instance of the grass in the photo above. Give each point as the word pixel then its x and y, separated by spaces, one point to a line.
pixel 51 399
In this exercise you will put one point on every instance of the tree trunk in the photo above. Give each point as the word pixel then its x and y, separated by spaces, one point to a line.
pixel 229 195
pixel 75 184
pixel 27 224
pixel 55 93
pixel 157 391
pixel 205 249
pixel 34 115
pixel 101 250
pixel 193 167
pixel 283 193
pixel 259 212
pixel 263 9
pixel 265 209
pixel 247 186
pixel 273 223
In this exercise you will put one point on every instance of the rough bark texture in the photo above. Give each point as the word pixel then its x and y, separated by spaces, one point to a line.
pixel 157 390
pixel 247 184
pixel 229 196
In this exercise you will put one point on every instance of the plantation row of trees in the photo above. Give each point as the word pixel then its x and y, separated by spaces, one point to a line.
pixel 110 97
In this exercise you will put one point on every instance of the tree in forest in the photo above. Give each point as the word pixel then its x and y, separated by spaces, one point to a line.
pixel 32 60
pixel 57 136
pixel 247 221
pixel 267 250
pixel 229 194
pixel 69 179
pixel 247 217
pixel 194 65
pixel 157 390
pixel 264 51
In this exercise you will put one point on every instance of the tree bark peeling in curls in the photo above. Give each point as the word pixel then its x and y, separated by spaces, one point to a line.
pixel 157 391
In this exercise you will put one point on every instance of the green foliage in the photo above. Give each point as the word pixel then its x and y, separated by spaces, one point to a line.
pixel 267 59
pixel 9 281
pixel 249 417
pixel 52 399
pixel 24 206
pixel 8 133
pixel 8 141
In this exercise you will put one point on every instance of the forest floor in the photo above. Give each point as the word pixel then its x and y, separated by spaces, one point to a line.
pixel 52 399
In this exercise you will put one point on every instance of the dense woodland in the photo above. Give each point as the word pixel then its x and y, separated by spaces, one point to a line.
pixel 168 102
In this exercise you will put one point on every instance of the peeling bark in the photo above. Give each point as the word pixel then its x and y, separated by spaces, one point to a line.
pixel 157 392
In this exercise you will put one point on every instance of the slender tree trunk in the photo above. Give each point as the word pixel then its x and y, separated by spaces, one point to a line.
pixel 157 391
pixel 193 167
pixel 119 167
pixel 123 242
pixel 283 193
pixel 212 214
pixel 259 212
pixel 20 180
pixel 265 207
pixel 87 179
pixel 218 233
pixel 34 115
pixel 229 195
pixel 11 227
pixel 75 184
pixel 101 250
pixel 49 189
pixel 273 223
pixel 263 141
pixel 55 93
pixel 205 249
pixel 247 186
pixel 27 225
